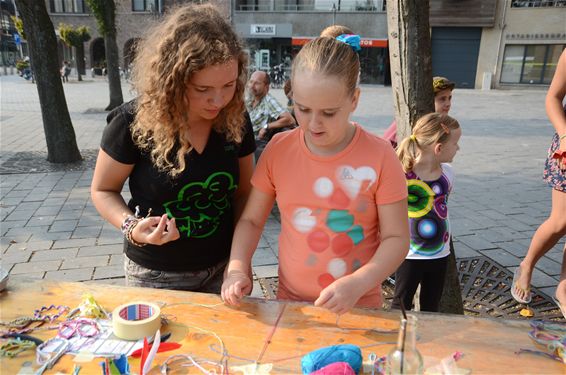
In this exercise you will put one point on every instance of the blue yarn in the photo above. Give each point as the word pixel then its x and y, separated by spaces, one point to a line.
pixel 322 357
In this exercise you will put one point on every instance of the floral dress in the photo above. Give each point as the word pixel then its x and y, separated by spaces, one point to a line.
pixel 553 174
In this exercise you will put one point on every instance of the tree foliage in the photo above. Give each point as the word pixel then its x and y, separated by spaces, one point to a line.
pixel 104 12
pixel 74 37
pixel 19 26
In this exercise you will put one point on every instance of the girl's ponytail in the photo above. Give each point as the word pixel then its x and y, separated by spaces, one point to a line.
pixel 407 152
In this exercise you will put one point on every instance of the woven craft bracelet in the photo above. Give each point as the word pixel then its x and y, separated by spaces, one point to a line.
pixel 127 228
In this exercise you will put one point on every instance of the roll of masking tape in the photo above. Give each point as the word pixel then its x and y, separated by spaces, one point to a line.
pixel 136 320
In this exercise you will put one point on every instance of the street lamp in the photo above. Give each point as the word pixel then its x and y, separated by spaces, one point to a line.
pixel 333 13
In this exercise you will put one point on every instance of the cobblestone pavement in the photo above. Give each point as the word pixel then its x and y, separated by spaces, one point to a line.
pixel 50 229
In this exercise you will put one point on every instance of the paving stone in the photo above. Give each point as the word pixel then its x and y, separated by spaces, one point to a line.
pixel 107 272
pixel 540 279
pixel 20 238
pixel 514 247
pixel 59 202
pixel 63 225
pixel 38 245
pixel 101 250
pixel 515 225
pixel 11 201
pixel 116 259
pixel 24 278
pixel 86 232
pixel 265 257
pixel 36 266
pixel 549 266
pixel 265 271
pixel 74 243
pixel 502 257
pixel 47 211
pixel 66 214
pixel 496 235
pixel 463 251
pixel 476 242
pixel 83 262
pixel 54 236
pixel 86 221
pixel 71 275
pixel 549 291
pixel 13 257
pixel 121 281
pixel 36 221
pixel 59 254
pixel 256 291
pixel 12 224
pixel 26 231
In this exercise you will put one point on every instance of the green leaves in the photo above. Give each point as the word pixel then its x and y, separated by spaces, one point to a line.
pixel 73 37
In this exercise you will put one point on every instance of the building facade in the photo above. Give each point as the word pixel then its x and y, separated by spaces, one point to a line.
pixel 133 18
pixel 476 43
pixel 523 48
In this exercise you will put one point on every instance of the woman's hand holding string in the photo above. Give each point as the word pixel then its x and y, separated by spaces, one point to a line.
pixel 156 230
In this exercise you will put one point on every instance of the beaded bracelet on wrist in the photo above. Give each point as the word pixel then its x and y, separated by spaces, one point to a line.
pixel 128 226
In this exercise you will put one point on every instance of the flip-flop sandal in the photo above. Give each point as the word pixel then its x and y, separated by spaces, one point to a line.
pixel 562 308
pixel 514 286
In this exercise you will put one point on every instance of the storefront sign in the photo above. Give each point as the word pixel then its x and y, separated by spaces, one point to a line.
pixel 536 36
pixel 262 29
pixel 367 43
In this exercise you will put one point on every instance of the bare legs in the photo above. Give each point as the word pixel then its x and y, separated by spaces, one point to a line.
pixel 546 236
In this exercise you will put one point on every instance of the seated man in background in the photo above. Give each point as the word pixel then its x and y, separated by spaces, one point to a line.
pixel 267 115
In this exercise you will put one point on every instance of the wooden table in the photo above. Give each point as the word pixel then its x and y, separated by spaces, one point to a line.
pixel 281 333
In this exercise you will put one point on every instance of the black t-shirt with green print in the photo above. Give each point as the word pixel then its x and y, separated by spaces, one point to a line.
pixel 200 198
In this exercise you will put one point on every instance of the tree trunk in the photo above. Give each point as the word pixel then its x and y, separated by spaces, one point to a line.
pixel 113 69
pixel 57 125
pixel 413 97
pixel 411 66
pixel 80 57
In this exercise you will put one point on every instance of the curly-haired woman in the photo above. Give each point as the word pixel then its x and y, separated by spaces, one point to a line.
pixel 186 146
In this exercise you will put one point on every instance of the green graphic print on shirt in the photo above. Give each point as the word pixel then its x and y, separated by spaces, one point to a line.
pixel 200 205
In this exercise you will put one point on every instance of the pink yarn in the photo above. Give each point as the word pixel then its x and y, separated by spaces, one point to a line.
pixel 336 368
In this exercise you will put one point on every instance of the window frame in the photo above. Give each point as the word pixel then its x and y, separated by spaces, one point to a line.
pixel 521 80
pixel 62 5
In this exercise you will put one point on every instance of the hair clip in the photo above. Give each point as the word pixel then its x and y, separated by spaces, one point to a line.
pixel 446 129
pixel 352 40
pixel 413 138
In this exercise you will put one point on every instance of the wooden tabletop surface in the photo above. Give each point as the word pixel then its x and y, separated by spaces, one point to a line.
pixel 281 333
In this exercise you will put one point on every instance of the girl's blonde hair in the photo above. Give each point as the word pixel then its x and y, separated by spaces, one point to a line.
pixel 429 130
pixel 189 39
pixel 335 31
pixel 330 58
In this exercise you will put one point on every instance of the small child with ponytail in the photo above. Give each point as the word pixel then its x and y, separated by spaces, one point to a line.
pixel 425 156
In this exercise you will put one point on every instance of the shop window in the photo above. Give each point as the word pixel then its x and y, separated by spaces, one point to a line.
pixel 530 64
pixel 68 6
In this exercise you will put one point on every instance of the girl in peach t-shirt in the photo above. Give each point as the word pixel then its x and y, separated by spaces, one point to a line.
pixel 341 192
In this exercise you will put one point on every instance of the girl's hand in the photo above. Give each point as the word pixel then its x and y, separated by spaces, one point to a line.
pixel 235 286
pixel 156 230
pixel 340 296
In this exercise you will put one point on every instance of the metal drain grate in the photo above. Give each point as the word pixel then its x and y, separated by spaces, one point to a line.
pixel 486 292
pixel 485 289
